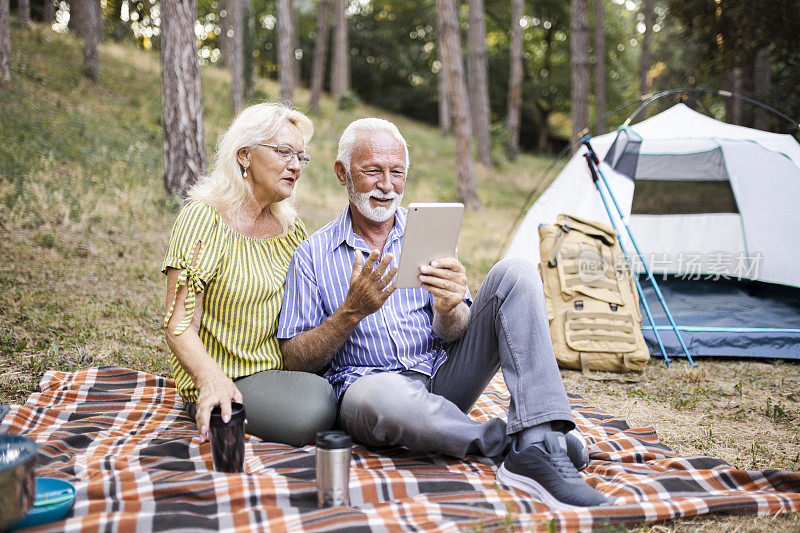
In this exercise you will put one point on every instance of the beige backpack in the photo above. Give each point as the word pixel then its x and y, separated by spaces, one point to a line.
pixel 592 304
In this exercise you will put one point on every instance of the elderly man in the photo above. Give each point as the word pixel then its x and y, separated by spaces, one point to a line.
pixel 408 364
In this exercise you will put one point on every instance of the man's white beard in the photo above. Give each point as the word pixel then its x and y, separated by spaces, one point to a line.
pixel 361 201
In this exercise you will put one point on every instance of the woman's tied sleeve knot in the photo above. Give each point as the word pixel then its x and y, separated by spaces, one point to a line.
pixel 190 276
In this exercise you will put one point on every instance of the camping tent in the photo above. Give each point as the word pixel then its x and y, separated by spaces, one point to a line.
pixel 742 240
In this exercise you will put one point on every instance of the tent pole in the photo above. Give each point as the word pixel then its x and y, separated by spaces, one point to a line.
pixel 667 360
pixel 594 168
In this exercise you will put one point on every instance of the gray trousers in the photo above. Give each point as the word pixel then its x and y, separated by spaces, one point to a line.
pixel 285 406
pixel 509 330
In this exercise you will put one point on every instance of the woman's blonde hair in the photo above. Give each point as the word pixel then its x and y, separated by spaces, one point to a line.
pixel 224 187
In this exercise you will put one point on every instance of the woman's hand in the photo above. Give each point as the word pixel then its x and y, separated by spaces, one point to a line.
pixel 214 389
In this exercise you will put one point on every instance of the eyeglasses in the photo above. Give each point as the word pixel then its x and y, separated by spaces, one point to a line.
pixel 286 153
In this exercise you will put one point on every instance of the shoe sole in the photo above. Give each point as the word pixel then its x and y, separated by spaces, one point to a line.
pixel 537 491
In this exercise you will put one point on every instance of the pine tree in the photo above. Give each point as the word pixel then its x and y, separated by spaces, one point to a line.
pixel 24 12
pixel 320 54
pixel 340 69
pixel 600 65
pixel 181 97
pixel 286 74
pixel 5 42
pixel 515 81
pixel 477 80
pixel 237 56
pixel 89 26
pixel 579 46
pixel 451 60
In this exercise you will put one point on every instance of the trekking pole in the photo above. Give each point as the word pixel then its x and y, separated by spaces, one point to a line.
pixel 594 167
pixel 589 162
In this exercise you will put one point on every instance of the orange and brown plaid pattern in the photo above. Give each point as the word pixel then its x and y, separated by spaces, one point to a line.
pixel 121 437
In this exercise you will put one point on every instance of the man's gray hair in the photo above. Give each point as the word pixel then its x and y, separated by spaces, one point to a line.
pixel 366 125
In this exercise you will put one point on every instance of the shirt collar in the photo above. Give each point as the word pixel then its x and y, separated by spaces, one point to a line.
pixel 343 231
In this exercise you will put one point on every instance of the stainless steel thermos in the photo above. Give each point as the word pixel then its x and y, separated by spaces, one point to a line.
pixel 333 469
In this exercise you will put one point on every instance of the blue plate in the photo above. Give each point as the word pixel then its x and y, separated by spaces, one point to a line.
pixel 38 516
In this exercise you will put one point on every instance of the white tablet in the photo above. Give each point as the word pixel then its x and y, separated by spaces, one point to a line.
pixel 431 233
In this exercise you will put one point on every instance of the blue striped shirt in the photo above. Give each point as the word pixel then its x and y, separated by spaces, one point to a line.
pixel 397 337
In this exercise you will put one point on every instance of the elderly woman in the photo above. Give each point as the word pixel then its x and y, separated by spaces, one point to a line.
pixel 226 266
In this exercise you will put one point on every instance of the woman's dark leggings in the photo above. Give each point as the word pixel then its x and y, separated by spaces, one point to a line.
pixel 285 406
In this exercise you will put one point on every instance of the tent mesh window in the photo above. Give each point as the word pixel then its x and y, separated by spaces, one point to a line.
pixel 687 183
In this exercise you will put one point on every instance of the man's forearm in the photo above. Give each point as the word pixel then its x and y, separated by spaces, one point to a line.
pixel 311 350
pixel 452 326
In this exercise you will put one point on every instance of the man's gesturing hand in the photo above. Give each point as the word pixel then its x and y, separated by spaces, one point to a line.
pixel 369 287
pixel 446 280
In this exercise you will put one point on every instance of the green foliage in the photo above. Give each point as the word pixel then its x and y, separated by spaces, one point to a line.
pixel 395 59
pixel 721 37
pixel 775 411
pixel 348 101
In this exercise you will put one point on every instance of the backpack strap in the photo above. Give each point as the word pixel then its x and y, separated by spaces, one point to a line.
pixel 552 263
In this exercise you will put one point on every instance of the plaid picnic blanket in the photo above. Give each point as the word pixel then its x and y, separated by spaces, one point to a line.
pixel 122 438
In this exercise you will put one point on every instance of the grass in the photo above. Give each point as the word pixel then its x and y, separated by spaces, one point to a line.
pixel 84 225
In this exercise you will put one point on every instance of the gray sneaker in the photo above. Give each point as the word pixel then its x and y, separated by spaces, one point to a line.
pixel 546 472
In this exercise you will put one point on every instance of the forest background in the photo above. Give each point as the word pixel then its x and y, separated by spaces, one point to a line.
pixel 394 57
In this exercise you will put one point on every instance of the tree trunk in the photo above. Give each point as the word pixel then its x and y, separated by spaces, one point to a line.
pixel 748 88
pixel 340 70
pixel 24 12
pixel 579 44
pixel 99 30
pixel 515 81
pixel 249 64
pixel 477 80
pixel 320 54
pixel 225 46
pixel 762 80
pixel 181 103
pixel 727 84
pixel 732 81
pixel 600 65
pixel 546 105
pixel 445 122
pixel 285 52
pixel 647 9
pixel 49 12
pixel 451 60
pixel 445 116
pixel 237 55
pixel 543 142
pixel 74 9
pixel 5 42
pixel 736 106
pixel 295 41
pixel 88 26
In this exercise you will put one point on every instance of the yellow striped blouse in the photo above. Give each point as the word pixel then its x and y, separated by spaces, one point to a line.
pixel 242 281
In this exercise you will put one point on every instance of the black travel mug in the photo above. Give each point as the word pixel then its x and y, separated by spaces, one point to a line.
pixel 227 439
pixel 333 469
